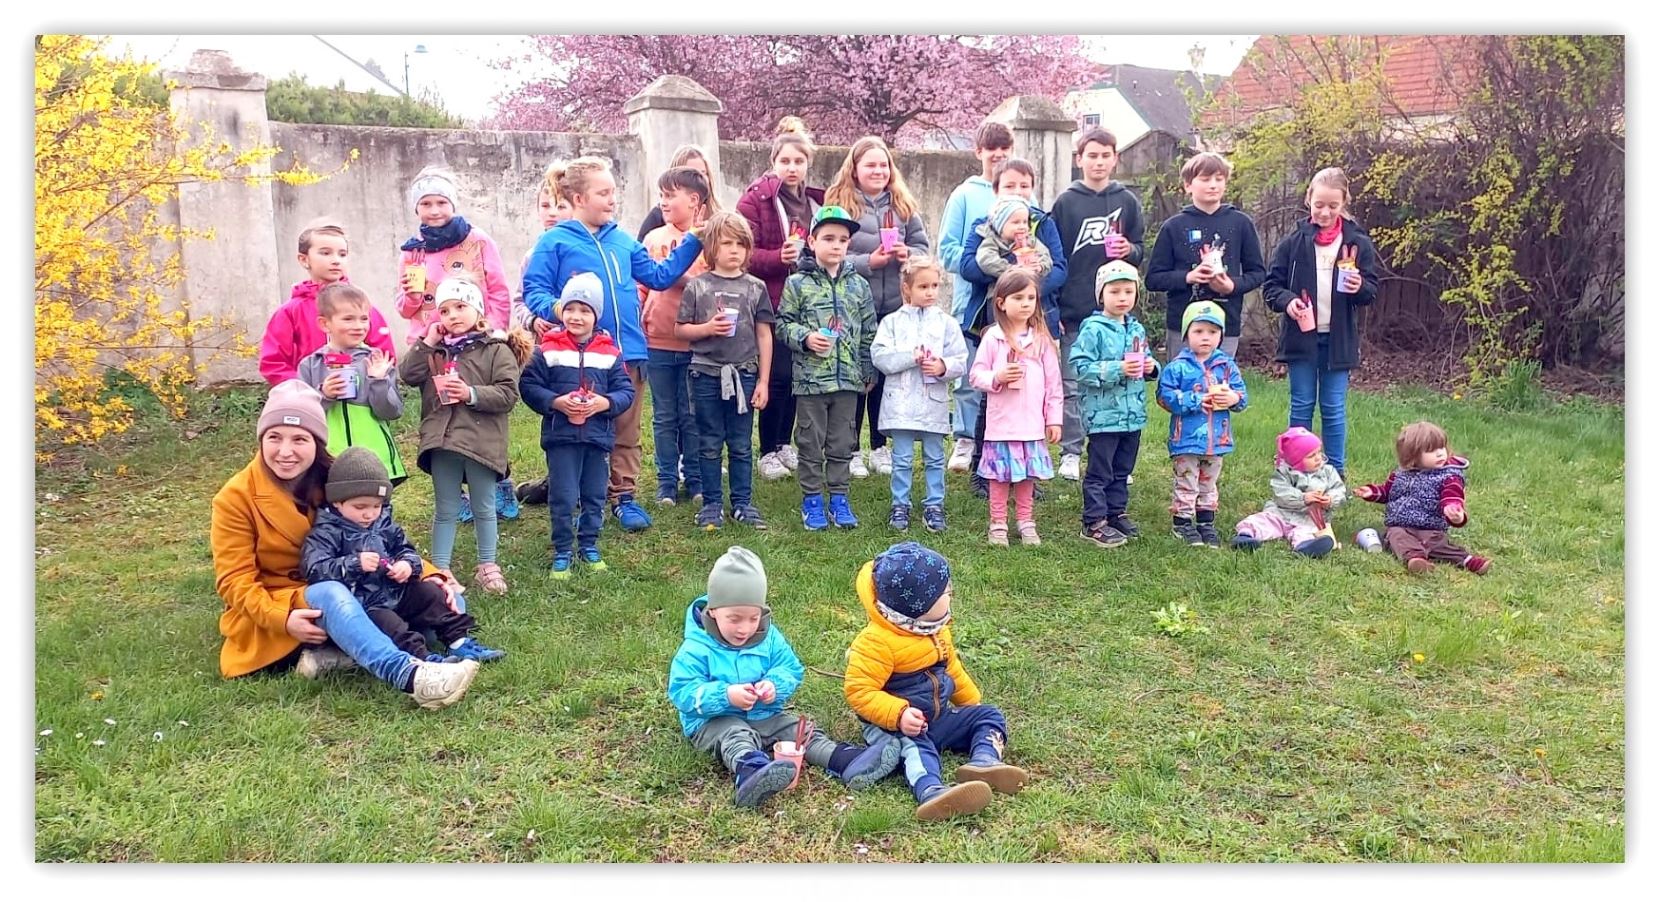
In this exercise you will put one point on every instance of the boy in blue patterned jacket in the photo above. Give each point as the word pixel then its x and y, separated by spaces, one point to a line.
pixel 1200 387
pixel 730 682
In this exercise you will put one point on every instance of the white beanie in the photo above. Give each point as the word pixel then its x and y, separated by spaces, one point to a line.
pixel 433 181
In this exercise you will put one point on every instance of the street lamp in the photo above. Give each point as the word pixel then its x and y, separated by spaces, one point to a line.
pixel 419 48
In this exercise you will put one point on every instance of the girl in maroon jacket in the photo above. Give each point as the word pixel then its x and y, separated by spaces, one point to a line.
pixel 779 207
pixel 1424 497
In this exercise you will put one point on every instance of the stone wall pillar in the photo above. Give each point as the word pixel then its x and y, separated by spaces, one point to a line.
pixel 1042 133
pixel 215 101
pixel 672 111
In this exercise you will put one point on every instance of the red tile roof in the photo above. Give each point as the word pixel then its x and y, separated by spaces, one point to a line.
pixel 1425 74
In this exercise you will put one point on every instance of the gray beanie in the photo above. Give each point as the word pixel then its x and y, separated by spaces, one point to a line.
pixel 433 181
pixel 737 580
pixel 357 473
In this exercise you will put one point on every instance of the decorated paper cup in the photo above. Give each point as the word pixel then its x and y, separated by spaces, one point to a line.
pixel 830 336
pixel 888 238
pixel 416 275
pixel 788 751
pixel 732 313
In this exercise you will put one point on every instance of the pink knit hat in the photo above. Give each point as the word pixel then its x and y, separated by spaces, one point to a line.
pixel 1293 446
pixel 294 403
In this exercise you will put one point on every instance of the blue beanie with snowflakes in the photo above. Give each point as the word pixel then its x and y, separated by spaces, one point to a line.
pixel 910 578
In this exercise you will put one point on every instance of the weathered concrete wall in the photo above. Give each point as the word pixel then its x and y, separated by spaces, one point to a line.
pixel 497 172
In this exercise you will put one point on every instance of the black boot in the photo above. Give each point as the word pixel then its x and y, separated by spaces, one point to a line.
pixel 1184 529
pixel 1204 526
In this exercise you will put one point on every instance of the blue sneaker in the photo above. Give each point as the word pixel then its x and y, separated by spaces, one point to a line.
pixel 752 787
pixel 841 515
pixel 814 513
pixel 472 649
pixel 631 516
pixel 465 515
pixel 562 566
pixel 873 764
pixel 592 557
pixel 508 506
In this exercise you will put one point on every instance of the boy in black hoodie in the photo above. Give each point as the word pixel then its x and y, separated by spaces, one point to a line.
pixel 1187 263
pixel 1089 214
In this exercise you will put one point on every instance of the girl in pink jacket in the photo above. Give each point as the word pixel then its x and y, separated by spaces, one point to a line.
pixel 447 245
pixel 1016 364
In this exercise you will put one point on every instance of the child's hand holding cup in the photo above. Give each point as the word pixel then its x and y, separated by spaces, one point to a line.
pixel 415 279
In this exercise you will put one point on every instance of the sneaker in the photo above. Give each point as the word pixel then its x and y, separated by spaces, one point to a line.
pixel 978 486
pixel 900 517
pixel 857 466
pixel 1316 547
pixel 840 513
pixel 472 649
pixel 935 518
pixel 1184 529
pixel 592 557
pixel 1070 467
pixel 533 492
pixel 1125 525
pixel 748 515
pixel 666 501
pixel 881 461
pixel 761 784
pixel 439 685
pixel 317 660
pixel 561 569
pixel 1245 542
pixel 508 507
pixel 1028 531
pixel 1103 535
pixel 873 764
pixel 963 450
pixel 709 517
pixel 631 516
pixel 441 659
pixel 1006 778
pixel 772 467
pixel 814 513
pixel 1476 564
pixel 1418 565
pixel 942 802
pixel 465 515
pixel 1209 535
pixel 998 535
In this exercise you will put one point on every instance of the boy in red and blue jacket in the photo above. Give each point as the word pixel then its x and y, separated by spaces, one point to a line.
pixel 578 383
pixel 1201 386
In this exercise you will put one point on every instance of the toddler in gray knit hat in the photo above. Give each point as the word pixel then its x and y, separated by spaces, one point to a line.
pixel 730 682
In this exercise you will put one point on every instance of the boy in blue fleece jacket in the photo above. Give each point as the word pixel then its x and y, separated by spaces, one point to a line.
pixel 731 679
pixel 1200 386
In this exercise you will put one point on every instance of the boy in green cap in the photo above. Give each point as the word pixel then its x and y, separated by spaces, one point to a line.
pixel 1200 387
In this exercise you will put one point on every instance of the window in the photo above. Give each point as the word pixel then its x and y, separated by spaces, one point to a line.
pixel 1090 120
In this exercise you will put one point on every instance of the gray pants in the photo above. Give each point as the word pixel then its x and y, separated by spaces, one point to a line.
pixel 1174 344
pixel 1073 429
pixel 730 737
pixel 826 441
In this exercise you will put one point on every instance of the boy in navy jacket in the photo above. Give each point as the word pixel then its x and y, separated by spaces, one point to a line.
pixel 578 383
pixel 1208 252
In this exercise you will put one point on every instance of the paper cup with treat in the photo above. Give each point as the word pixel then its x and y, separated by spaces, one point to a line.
pixel 888 238
pixel 416 275
pixel 732 313
pixel 790 751
pixel 1304 313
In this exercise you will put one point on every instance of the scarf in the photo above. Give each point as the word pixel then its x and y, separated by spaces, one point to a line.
pixel 442 238
pixel 455 345
pixel 914 625
pixel 1330 234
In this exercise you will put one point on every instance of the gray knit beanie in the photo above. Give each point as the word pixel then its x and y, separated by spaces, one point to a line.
pixel 357 473
pixel 737 580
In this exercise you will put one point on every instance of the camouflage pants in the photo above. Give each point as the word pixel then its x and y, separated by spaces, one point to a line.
pixel 1195 483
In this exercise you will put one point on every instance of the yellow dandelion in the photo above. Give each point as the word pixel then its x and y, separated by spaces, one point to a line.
pixel 1419 658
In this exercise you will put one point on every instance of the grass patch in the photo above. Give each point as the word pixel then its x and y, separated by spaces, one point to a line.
pixel 1301 727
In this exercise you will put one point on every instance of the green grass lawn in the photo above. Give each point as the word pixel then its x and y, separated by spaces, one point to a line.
pixel 1301 727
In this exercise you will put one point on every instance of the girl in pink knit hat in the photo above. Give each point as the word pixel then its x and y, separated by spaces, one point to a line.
pixel 1304 491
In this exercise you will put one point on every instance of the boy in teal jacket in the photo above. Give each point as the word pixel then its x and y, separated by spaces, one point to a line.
pixel 1111 363
pixel 730 682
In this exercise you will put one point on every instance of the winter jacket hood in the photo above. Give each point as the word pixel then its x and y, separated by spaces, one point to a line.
pixel 1084 218
pixel 890 669
pixel 704 667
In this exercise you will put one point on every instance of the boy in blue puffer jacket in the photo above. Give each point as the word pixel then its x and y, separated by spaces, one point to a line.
pixel 590 242
pixel 577 382
pixel 1200 387
pixel 731 679
pixel 1112 363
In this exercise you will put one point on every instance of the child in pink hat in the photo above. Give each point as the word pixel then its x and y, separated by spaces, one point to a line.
pixel 1304 491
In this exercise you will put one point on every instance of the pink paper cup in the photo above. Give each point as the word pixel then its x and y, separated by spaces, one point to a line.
pixel 788 751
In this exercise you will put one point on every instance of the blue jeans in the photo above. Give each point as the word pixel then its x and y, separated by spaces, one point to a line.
pixel 354 633
pixel 935 467
pixel 967 401
pixel 577 473
pixel 1311 383
pixel 953 730
pixel 675 436
pixel 449 469
pixel 720 422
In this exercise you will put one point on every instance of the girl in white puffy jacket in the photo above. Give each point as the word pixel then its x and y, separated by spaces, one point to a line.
pixel 920 350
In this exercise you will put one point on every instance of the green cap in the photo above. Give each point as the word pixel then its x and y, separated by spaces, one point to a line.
pixel 1202 312
pixel 836 215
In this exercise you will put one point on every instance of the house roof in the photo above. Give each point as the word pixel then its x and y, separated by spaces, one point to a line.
pixel 1425 74
pixel 1158 95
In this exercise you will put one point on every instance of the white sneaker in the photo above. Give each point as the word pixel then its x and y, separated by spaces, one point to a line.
pixel 881 460
pixel 439 685
pixel 1070 467
pixel 788 456
pixel 771 467
pixel 857 466
pixel 317 660
pixel 963 450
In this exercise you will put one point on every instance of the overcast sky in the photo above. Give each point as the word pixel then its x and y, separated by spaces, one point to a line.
pixel 455 67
